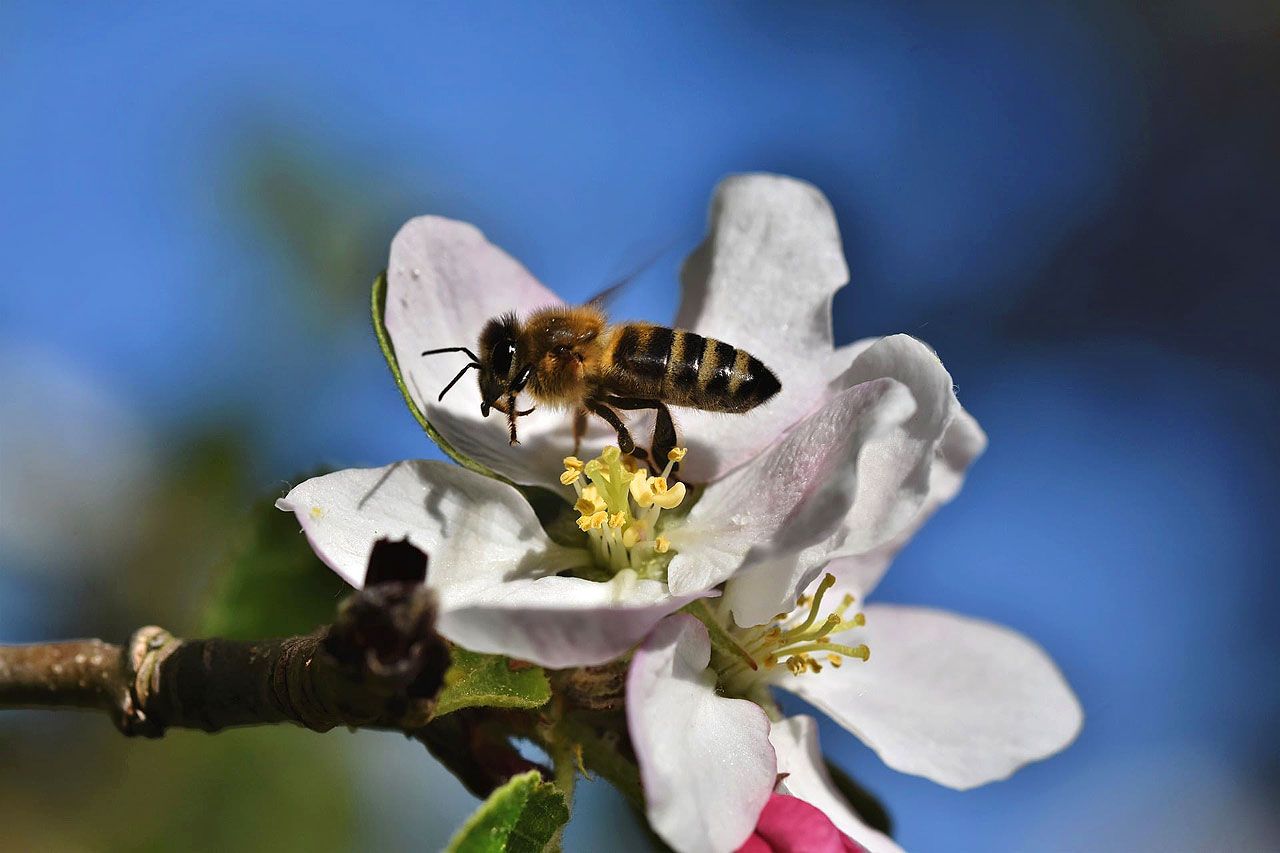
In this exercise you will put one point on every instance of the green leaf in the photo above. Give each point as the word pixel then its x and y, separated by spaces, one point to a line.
pixel 865 803
pixel 523 816
pixel 379 308
pixel 272 585
pixel 491 681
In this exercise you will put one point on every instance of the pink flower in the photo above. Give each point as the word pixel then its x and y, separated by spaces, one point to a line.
pixel 789 825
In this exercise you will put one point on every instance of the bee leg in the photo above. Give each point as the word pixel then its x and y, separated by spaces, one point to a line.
pixel 579 429
pixel 625 443
pixel 664 437
pixel 664 428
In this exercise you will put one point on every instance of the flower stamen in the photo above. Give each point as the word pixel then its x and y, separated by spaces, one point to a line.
pixel 619 507
pixel 795 640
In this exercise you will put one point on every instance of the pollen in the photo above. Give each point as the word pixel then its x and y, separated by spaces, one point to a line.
pixel 801 640
pixel 620 507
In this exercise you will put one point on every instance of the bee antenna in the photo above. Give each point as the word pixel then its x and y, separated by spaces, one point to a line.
pixel 454 380
pixel 454 349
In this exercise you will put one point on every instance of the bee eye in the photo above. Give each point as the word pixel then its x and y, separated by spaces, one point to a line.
pixel 504 353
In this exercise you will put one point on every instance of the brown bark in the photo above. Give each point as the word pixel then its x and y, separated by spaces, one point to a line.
pixel 380 664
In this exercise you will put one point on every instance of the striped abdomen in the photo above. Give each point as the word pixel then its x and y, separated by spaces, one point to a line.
pixel 685 369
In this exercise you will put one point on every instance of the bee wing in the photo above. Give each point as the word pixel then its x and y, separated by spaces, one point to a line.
pixel 605 298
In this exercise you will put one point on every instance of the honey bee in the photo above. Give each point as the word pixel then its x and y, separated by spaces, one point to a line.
pixel 573 357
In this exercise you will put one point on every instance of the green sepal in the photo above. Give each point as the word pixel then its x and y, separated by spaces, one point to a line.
pixel 491 681
pixel 379 308
pixel 272 584
pixel 523 816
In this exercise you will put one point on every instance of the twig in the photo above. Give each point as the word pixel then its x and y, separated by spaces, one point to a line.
pixel 380 664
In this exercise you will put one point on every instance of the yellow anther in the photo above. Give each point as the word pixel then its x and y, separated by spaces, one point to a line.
pixel 668 498
pixel 630 537
pixel 610 454
pixel 835 660
pixel 861 652
pixel 598 519
pixel 584 523
pixel 573 463
pixel 641 491
pixel 661 544
pixel 859 620
pixel 796 664
pixel 585 507
pixel 617 520
pixel 676 454
pixel 570 476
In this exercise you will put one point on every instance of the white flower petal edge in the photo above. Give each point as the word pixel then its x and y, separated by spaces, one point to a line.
pixel 795 740
pixel 444 282
pixel 957 700
pixel 800 489
pixel 963 442
pixel 705 761
pixel 490 561
pixel 763 280
pixel 895 476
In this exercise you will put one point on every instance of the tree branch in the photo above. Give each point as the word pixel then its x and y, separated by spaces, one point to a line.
pixel 380 664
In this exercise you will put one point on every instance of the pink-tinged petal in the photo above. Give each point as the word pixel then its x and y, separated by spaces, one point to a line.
pixel 490 561
pixel 805 776
pixel 444 282
pixel 790 825
pixel 705 760
pixel 790 499
pixel 895 475
pixel 957 700
pixel 762 281
pixel 963 442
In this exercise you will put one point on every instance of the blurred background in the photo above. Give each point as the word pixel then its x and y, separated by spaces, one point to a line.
pixel 1077 204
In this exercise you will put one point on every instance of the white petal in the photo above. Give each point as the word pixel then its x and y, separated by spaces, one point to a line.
pixel 490 561
pixel 957 700
pixel 963 442
pixel 797 492
pixel 474 529
pixel 795 740
pixel 763 281
pixel 561 622
pixel 894 478
pixel 444 282
pixel 705 761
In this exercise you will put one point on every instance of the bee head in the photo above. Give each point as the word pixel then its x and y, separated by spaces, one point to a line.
pixel 502 372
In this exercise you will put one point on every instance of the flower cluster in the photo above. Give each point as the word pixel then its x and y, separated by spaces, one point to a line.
pixel 753 580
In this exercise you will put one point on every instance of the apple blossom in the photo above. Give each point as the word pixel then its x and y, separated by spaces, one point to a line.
pixel 837 473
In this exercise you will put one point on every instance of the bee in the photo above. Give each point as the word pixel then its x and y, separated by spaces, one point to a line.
pixel 573 357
